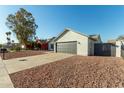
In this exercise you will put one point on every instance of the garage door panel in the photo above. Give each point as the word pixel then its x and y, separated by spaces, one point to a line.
pixel 67 47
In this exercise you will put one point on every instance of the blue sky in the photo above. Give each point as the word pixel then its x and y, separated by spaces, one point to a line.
pixel 108 21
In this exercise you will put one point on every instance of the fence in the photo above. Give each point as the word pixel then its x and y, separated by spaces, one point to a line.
pixel 122 52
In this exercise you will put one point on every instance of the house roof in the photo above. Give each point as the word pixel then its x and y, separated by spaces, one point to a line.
pixel 112 41
pixel 93 37
pixel 51 39
pixel 106 44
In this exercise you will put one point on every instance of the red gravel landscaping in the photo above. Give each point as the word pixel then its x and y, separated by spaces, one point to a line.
pixel 76 71
pixel 25 53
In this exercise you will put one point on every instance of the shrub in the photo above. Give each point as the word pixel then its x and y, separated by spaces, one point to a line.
pixel 18 48
pixel 15 48
pixel 0 45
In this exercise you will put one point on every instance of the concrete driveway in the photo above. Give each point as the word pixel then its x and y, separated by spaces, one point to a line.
pixel 5 81
pixel 18 64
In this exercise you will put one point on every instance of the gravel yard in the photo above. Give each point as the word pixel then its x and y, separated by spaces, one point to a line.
pixel 76 71
pixel 26 53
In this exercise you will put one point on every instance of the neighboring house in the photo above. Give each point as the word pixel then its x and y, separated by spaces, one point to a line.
pixel 51 44
pixel 42 44
pixel 119 44
pixel 73 42
pixel 112 41
pixel 120 48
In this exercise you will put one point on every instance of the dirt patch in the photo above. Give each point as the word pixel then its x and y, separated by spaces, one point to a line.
pixel 76 71
pixel 26 53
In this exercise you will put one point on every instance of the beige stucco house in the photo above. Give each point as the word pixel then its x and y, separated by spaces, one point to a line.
pixel 119 47
pixel 73 42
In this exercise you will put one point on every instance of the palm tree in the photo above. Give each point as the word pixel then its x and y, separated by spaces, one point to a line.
pixel 8 37
pixel 13 41
pixel 8 33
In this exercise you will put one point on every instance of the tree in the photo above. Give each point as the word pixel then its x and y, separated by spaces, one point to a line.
pixel 13 41
pixel 121 37
pixel 0 45
pixel 22 23
pixel 8 37
pixel 8 33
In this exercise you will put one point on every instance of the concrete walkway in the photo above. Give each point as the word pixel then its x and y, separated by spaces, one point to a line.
pixel 5 81
pixel 18 64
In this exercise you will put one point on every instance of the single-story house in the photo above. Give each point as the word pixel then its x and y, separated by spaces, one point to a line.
pixel 42 44
pixel 118 47
pixel 73 42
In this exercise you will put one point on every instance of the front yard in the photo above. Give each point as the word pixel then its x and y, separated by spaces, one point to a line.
pixel 76 71
pixel 11 55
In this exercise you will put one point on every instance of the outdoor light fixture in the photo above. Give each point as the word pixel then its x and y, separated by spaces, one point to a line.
pixel 78 42
pixel 23 46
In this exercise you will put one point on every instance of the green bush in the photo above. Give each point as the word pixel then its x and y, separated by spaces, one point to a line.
pixel 15 48
pixel 18 48
pixel 0 45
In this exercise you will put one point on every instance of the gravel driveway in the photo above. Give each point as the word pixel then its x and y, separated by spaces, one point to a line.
pixel 76 71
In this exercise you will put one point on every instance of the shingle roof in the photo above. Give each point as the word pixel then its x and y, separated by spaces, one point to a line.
pixel 112 41
pixel 51 39
pixel 95 37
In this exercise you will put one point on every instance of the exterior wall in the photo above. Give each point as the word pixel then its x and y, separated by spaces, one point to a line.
pixel 55 47
pixel 122 53
pixel 82 42
pixel 118 49
pixel 82 47
pixel 91 46
pixel 122 49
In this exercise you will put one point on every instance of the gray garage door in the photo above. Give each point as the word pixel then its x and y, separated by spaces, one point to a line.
pixel 67 47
